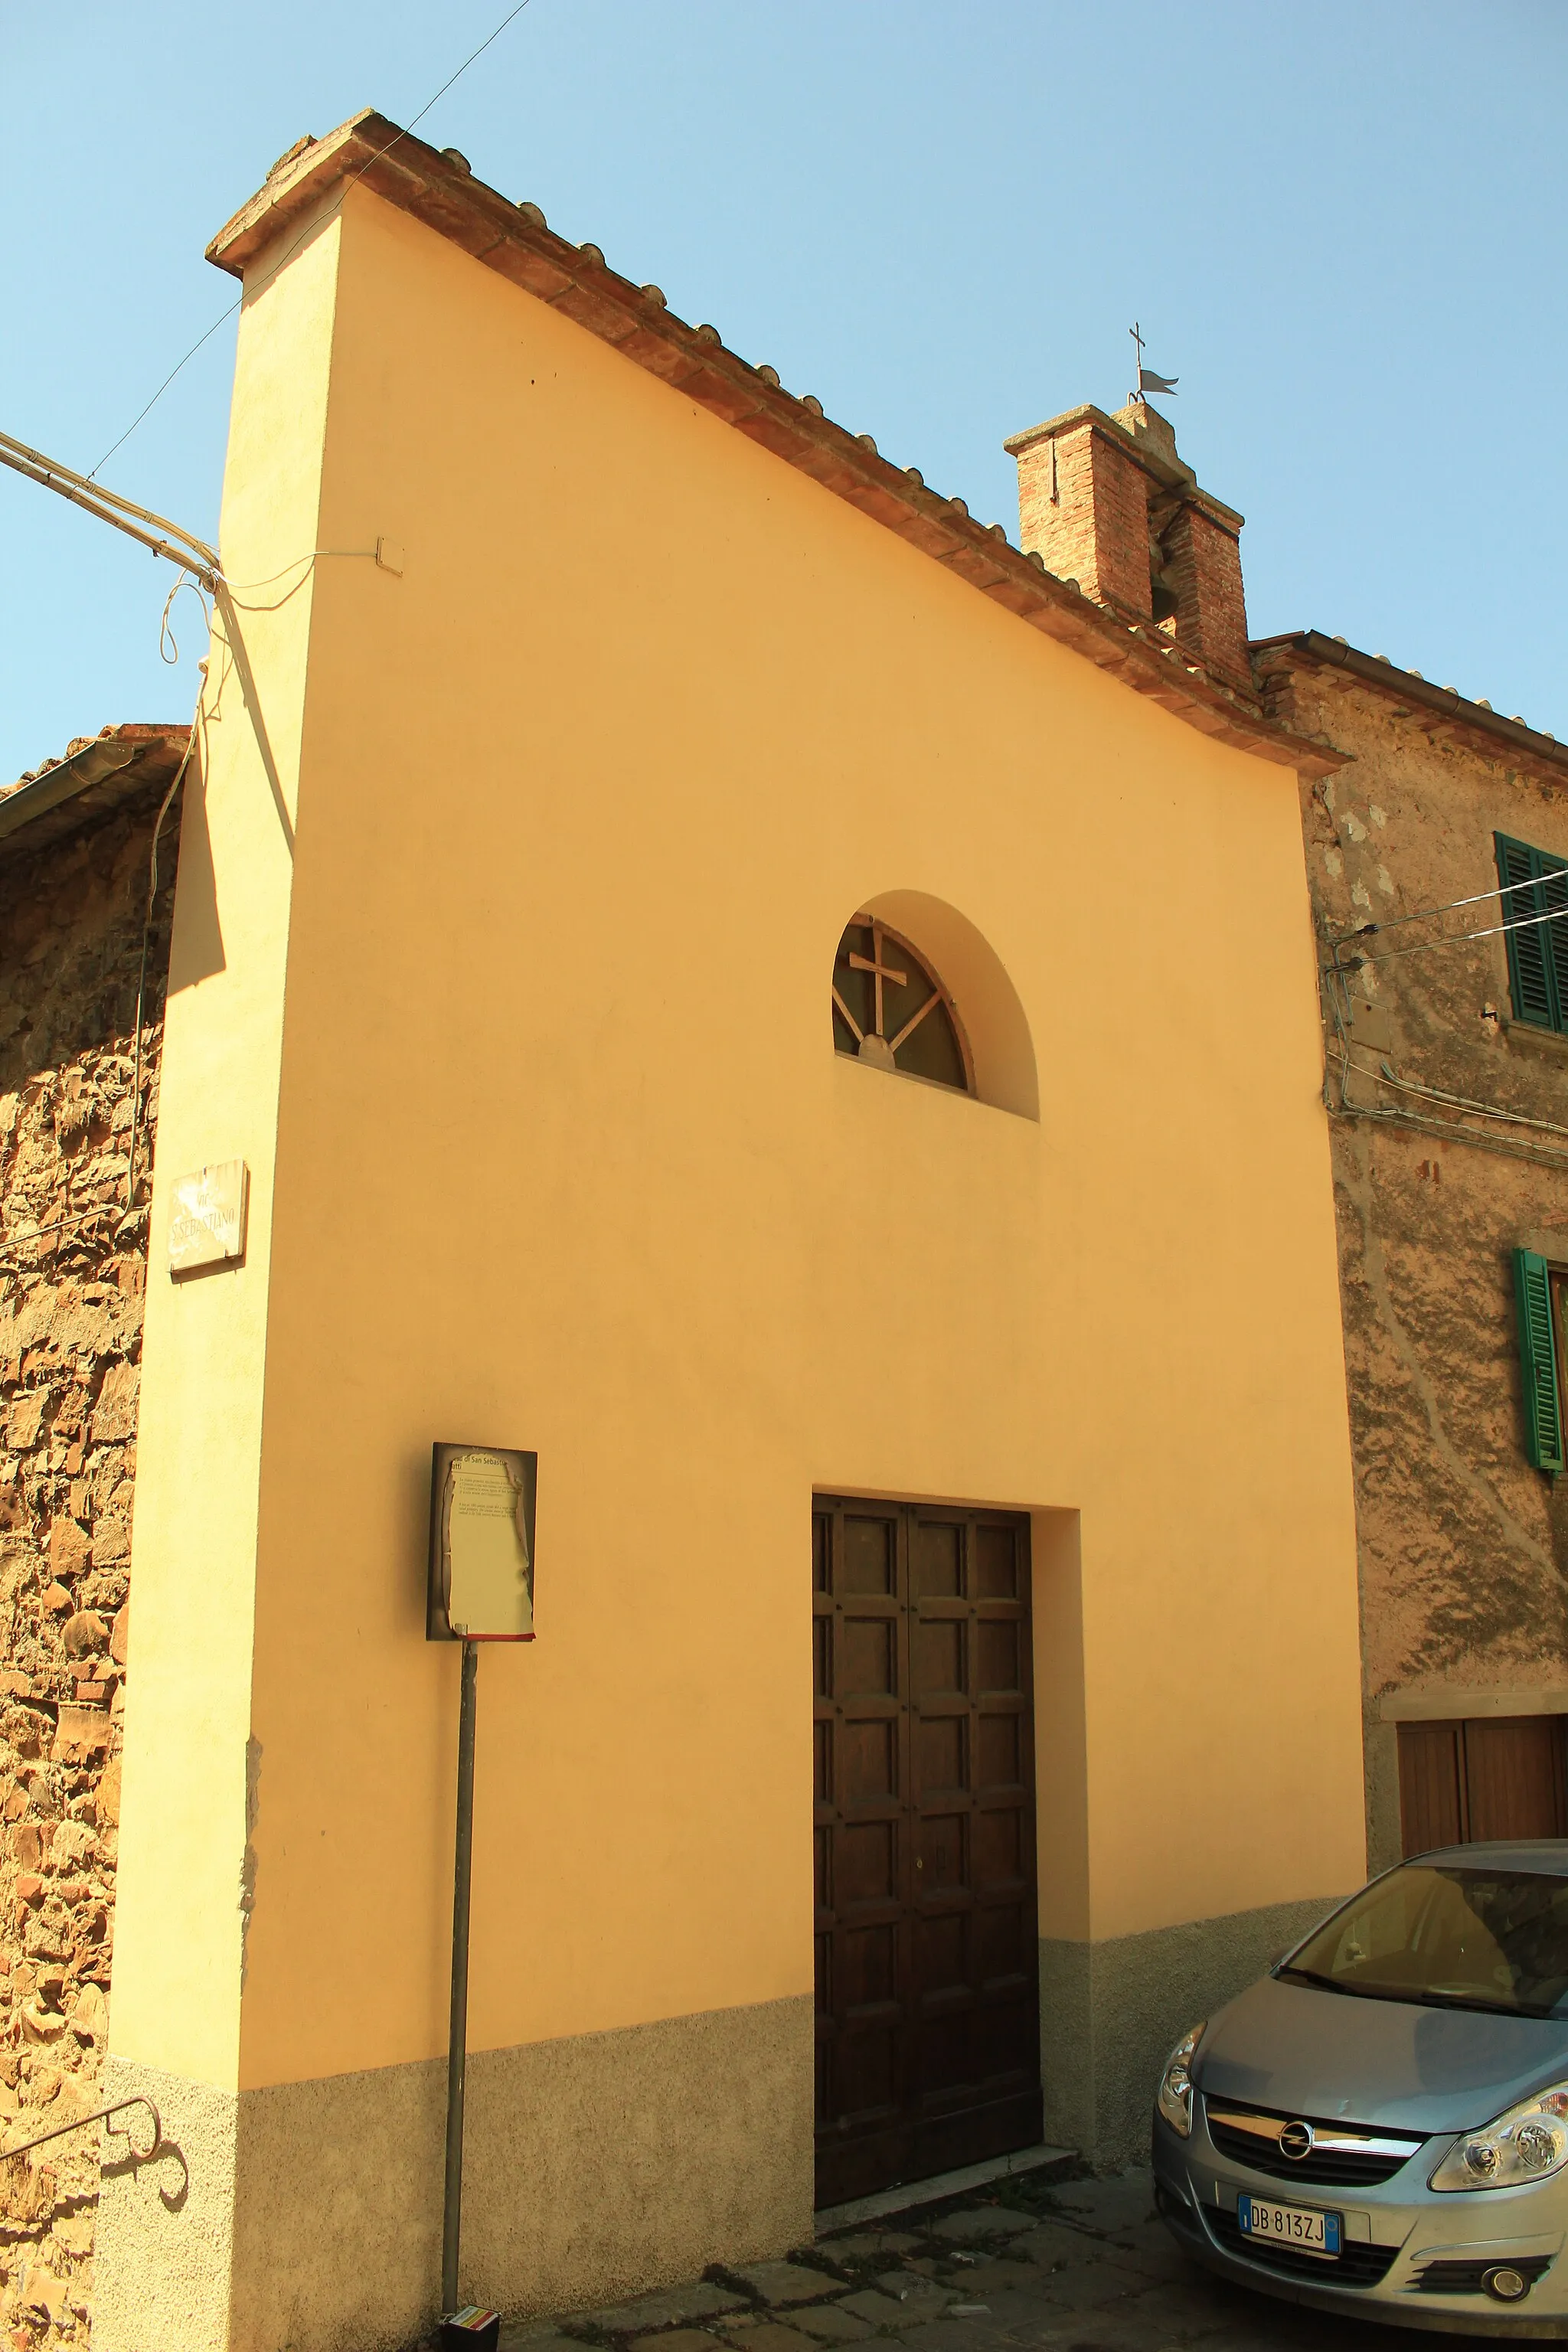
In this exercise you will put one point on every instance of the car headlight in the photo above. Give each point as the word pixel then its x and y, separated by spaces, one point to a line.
pixel 1175 2095
pixel 1529 2143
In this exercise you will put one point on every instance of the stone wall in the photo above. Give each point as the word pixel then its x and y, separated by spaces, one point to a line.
pixel 72 1274
pixel 1463 1545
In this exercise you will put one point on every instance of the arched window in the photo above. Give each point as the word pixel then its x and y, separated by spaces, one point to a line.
pixel 890 1009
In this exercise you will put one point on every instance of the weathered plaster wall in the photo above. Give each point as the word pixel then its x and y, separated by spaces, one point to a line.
pixel 72 1264
pixel 1463 1545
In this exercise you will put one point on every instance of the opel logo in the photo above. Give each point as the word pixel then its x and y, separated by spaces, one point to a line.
pixel 1296 2141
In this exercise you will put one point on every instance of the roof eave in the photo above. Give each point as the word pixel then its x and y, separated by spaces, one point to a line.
pixel 1386 677
pixel 113 767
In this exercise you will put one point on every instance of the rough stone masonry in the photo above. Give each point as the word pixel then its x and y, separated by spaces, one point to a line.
pixel 73 903
pixel 1463 1545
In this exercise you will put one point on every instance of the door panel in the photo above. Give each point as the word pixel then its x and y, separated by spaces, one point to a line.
pixel 1430 1774
pixel 1513 1772
pixel 928 2007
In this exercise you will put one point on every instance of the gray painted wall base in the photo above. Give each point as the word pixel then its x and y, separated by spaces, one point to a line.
pixel 1109 2013
pixel 1384 1839
pixel 306 2217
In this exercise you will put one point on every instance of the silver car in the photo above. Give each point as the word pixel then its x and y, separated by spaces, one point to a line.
pixel 1380 2128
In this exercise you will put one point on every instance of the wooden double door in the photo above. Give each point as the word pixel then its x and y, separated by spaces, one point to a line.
pixel 1496 1776
pixel 928 2036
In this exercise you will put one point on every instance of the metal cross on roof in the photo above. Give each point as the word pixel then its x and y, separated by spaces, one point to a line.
pixel 1147 379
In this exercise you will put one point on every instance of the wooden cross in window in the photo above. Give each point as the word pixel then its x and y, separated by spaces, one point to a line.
pixel 880 972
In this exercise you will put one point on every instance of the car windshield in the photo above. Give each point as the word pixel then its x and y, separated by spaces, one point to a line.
pixel 1449 1937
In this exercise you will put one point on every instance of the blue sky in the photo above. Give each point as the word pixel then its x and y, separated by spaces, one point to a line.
pixel 1340 226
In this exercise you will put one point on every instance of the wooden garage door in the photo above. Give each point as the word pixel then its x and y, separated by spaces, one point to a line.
pixel 1497 1777
pixel 927 1959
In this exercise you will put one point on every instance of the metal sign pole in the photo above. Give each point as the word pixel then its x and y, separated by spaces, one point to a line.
pixel 480 1589
pixel 457 2038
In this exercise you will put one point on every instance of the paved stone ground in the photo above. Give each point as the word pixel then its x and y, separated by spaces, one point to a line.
pixel 1036 2260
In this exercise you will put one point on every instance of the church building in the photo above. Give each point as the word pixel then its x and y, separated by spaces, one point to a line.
pixel 696 957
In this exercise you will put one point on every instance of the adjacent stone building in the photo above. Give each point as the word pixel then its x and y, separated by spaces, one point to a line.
pixel 85 931
pixel 1430 857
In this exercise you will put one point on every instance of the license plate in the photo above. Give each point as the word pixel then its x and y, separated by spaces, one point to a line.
pixel 1289 2225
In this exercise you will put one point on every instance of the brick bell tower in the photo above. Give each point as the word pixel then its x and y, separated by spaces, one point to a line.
pixel 1107 501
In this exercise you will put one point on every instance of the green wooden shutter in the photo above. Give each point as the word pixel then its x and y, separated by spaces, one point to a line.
pixel 1537 1359
pixel 1530 976
pixel 1553 896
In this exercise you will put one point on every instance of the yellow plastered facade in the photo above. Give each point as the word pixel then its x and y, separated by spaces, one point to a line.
pixel 525 1039
pixel 184 1836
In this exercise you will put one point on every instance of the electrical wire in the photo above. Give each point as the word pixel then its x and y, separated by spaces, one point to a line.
pixel 1451 1130
pixel 206 337
pixel 169 540
pixel 167 638
pixel 200 566
pixel 290 251
pixel 1385 1076
pixel 1499 890
pixel 1453 939
pixel 243 587
pixel 1458 939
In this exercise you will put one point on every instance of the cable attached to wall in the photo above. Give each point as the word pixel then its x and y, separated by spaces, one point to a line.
pixel 1428 914
pixel 1337 975
pixel 1456 938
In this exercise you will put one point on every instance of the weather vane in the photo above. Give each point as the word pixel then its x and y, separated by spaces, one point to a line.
pixel 1147 379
